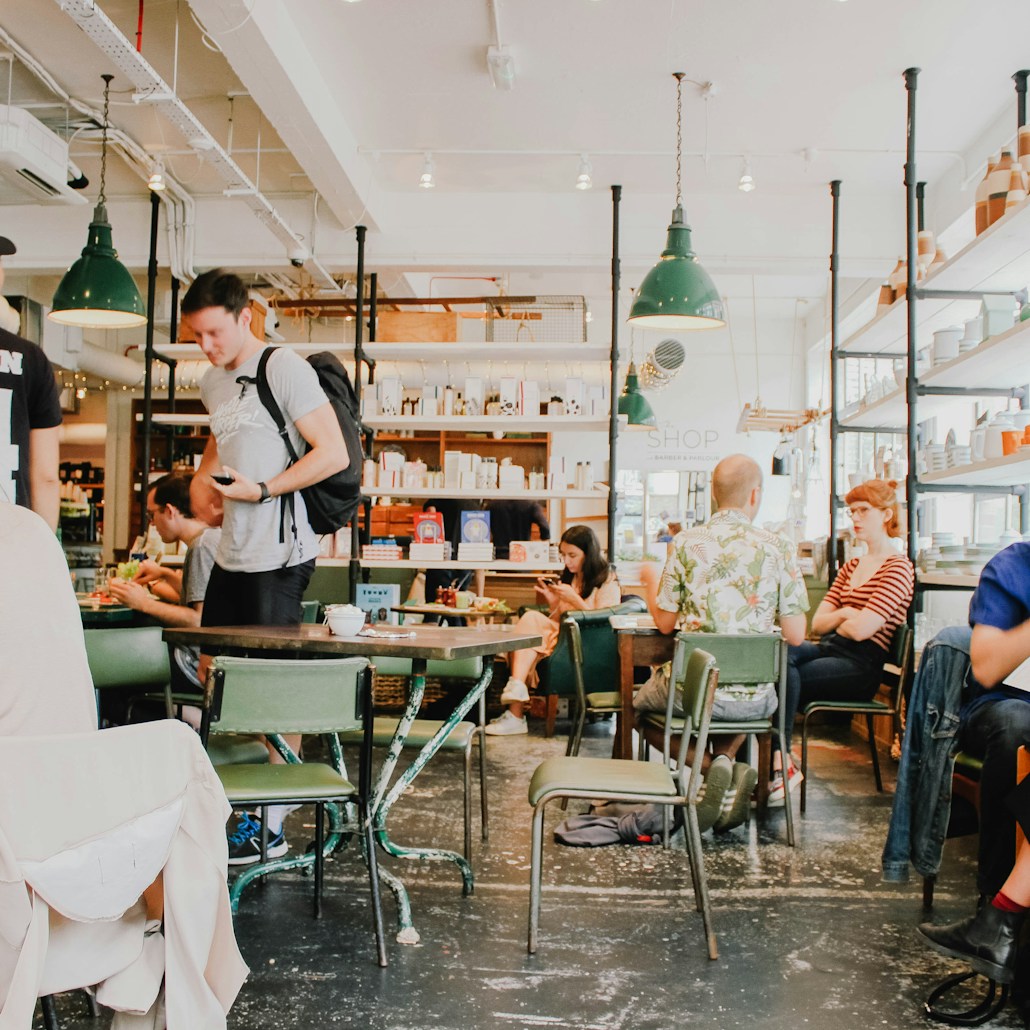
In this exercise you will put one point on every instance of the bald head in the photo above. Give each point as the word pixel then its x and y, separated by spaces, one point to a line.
pixel 735 483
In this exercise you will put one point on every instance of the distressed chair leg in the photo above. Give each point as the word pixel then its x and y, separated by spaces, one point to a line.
pixel 873 752
pixel 319 856
pixel 804 762
pixel 483 803
pixel 372 861
pixel 467 800
pixel 536 874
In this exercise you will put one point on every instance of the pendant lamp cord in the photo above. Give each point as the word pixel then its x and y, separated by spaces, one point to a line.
pixel 103 139
pixel 679 77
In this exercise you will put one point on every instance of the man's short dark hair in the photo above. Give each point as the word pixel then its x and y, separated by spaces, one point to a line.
pixel 216 289
pixel 174 489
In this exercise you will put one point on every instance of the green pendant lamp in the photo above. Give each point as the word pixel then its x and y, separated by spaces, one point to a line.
pixel 633 404
pixel 678 293
pixel 98 291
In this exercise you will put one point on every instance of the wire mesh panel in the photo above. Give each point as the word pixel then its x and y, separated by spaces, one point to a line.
pixel 554 319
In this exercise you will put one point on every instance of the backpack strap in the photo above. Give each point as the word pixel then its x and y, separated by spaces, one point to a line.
pixel 267 398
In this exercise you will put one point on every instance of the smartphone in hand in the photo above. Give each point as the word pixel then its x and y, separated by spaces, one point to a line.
pixel 223 480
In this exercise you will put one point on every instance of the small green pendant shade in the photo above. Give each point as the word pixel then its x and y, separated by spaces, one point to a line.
pixel 678 293
pixel 98 291
pixel 633 404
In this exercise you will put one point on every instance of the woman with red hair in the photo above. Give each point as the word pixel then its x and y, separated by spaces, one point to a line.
pixel 856 621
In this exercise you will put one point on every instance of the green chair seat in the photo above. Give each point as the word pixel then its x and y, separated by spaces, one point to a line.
pixel 271 784
pixel 618 775
pixel 854 706
pixel 236 749
pixel 605 699
pixel 422 731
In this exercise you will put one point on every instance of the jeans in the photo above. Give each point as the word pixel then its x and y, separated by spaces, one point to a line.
pixel 993 733
pixel 835 669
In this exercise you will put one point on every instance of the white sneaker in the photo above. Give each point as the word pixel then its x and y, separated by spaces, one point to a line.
pixel 514 690
pixel 506 725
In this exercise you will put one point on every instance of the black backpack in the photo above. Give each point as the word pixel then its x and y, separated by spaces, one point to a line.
pixel 332 502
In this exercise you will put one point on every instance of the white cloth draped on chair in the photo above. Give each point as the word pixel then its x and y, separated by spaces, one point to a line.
pixel 94 819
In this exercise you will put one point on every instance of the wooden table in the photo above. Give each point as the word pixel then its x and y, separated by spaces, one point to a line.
pixel 442 611
pixel 640 643
pixel 420 644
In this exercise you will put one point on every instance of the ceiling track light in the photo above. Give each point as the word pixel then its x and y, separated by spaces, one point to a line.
pixel 501 65
pixel 678 293
pixel 426 182
pixel 584 180
pixel 747 179
pixel 156 182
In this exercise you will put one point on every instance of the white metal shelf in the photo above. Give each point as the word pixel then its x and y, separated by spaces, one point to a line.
pixel 1010 470
pixel 457 352
pixel 998 259
pixel 489 566
pixel 490 423
pixel 427 492
pixel 944 579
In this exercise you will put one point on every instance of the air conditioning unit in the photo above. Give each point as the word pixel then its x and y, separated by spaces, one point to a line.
pixel 33 161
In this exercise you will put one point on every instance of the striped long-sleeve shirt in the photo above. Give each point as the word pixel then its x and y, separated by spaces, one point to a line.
pixel 888 592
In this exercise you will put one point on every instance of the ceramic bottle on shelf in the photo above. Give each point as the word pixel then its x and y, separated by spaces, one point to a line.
pixel 998 187
pixel 899 278
pixel 982 194
pixel 1017 188
pixel 927 251
pixel 1024 147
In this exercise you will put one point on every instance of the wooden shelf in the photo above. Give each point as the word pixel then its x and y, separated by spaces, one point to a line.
pixel 943 579
pixel 426 492
pixel 998 259
pixel 491 424
pixel 490 566
pixel 1011 470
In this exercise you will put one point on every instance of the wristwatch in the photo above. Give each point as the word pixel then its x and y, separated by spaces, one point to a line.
pixel 265 495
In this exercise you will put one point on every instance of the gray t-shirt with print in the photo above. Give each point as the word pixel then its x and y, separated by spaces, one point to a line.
pixel 196 571
pixel 248 441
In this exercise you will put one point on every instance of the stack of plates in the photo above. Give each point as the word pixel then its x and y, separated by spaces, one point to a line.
pixel 936 457
pixel 958 456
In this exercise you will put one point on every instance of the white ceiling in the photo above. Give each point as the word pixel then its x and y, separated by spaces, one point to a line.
pixel 347 97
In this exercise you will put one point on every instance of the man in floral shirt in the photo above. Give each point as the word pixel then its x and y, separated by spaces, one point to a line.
pixel 728 576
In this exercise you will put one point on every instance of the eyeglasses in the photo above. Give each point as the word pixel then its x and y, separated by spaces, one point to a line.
pixel 152 513
pixel 860 510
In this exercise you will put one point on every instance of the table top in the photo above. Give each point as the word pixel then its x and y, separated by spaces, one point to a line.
pixel 633 623
pixel 458 613
pixel 443 643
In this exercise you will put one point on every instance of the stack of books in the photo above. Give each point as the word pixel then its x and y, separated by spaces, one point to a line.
pixel 382 552
pixel 427 552
pixel 475 552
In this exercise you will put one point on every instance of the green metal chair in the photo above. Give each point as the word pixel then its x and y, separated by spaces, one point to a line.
pixel 744 658
pixel 617 779
pixel 896 667
pixel 320 696
pixel 128 659
pixel 460 739
pixel 311 611
pixel 560 674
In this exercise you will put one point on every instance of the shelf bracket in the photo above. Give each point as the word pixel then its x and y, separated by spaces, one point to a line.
pixel 893 430
pixel 874 355
pixel 970 391
pixel 959 488
pixel 922 293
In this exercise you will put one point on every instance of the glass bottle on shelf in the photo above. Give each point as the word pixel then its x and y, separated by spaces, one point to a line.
pixel 983 191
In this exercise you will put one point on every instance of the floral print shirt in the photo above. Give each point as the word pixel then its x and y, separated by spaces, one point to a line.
pixel 729 576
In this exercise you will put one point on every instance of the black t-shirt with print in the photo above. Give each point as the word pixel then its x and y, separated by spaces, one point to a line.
pixel 29 399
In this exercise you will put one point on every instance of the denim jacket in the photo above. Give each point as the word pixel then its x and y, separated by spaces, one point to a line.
pixel 922 799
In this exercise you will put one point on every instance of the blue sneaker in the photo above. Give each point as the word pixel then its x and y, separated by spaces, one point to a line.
pixel 245 842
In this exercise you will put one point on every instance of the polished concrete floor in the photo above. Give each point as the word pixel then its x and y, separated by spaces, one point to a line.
pixel 808 937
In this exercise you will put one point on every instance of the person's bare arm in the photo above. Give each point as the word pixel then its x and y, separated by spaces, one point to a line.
pixel 44 485
pixel 792 628
pixel 140 599
pixel 649 580
pixel 328 455
pixel 995 653
pixel 862 625
pixel 828 617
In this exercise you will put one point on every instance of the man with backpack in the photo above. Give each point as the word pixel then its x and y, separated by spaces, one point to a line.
pixel 267 551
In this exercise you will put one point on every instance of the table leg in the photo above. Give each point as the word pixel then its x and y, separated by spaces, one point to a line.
pixel 624 730
pixel 383 802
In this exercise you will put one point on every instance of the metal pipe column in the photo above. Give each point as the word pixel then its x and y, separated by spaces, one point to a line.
pixel 1019 78
pixel 354 565
pixel 911 492
pixel 831 541
pixel 613 389
pixel 148 361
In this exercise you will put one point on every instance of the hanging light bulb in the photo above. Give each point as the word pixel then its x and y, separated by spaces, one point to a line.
pixel 583 179
pixel 747 179
pixel 678 293
pixel 426 181
pixel 156 182
pixel 98 291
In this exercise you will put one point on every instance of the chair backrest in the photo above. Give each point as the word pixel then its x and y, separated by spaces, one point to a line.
pixel 744 658
pixel 272 695
pixel 697 687
pixel 899 660
pixel 600 651
pixel 134 656
pixel 310 611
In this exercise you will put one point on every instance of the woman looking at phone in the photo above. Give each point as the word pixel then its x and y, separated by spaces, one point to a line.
pixel 587 583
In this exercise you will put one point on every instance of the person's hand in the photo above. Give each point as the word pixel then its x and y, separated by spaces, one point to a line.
pixel 846 612
pixel 545 590
pixel 129 593
pixel 649 576
pixel 148 572
pixel 565 593
pixel 240 489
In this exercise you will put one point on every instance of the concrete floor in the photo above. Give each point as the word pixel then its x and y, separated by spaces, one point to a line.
pixel 807 936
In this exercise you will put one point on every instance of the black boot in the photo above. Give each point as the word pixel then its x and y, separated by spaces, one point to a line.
pixel 987 941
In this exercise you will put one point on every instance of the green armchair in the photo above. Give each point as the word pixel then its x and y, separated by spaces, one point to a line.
pixel 557 677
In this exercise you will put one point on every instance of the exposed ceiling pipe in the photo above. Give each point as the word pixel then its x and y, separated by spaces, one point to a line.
pixel 123 55
pixel 179 205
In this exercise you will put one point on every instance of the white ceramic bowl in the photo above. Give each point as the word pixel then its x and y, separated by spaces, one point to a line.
pixel 345 621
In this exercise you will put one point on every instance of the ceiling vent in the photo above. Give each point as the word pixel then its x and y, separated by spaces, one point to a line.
pixel 33 162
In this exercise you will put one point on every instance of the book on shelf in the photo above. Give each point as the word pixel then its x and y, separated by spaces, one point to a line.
pixel 475 527
pixel 378 599
pixel 382 552
pixel 536 552
pixel 429 527
pixel 428 552
pixel 475 552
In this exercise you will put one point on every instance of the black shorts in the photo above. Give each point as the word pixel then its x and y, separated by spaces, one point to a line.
pixel 270 598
